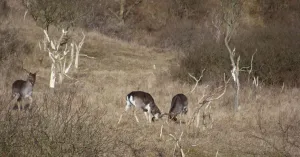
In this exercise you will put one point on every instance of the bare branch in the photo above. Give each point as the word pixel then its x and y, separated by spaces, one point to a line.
pixel 177 143
pixel 130 7
pixel 161 130
pixel 70 77
pixel 207 99
pixel 84 55
pixel 197 80
pixel 224 91
pixel 46 36
pixel 118 17
pixel 25 14
pixel 270 144
pixel 255 81
pixel 251 63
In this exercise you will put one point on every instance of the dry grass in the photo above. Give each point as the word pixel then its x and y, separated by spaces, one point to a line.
pixel 79 118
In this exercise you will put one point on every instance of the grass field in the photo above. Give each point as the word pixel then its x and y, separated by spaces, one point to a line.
pixel 79 117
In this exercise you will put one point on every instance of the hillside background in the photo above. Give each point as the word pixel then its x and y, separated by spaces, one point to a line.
pixel 153 46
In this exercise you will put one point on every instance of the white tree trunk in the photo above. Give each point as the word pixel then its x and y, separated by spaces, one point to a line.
pixel 61 77
pixel 66 69
pixel 61 64
pixel 77 49
pixel 52 76
pixel 76 57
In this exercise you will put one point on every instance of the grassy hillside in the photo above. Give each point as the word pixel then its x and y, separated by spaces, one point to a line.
pixel 80 117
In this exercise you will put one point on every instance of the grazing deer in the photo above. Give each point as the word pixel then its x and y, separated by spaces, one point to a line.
pixel 179 105
pixel 145 101
pixel 23 89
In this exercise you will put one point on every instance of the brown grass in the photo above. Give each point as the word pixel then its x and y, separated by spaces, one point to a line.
pixel 79 118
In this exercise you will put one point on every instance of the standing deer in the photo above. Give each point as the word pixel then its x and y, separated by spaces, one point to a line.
pixel 145 101
pixel 179 105
pixel 23 89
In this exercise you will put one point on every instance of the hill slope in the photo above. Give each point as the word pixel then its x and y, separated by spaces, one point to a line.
pixel 79 117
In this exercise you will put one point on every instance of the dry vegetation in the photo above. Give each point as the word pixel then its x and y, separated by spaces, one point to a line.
pixel 155 48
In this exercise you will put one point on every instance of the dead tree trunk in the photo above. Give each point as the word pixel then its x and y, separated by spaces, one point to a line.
pixel 231 16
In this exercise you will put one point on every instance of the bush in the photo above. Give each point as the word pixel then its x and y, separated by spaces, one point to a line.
pixel 57 12
pixel 11 44
pixel 275 62
pixel 208 55
pixel 59 124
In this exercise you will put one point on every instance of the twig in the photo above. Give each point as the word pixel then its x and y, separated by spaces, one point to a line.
pixel 84 55
pixel 197 80
pixel 270 144
pixel 119 18
pixel 70 77
pixel 129 8
pixel 161 129
pixel 251 64
pixel 177 144
pixel 217 153
pixel 25 14
pixel 255 81
pixel 120 119
pixel 203 101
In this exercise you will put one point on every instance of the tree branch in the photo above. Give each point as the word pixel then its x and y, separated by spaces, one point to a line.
pixel 197 80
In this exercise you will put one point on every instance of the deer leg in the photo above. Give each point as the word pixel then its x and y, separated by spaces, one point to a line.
pixel 149 115
pixel 28 106
pixel 146 115
pixel 19 103
pixel 136 118
pixel 30 100
pixel 180 116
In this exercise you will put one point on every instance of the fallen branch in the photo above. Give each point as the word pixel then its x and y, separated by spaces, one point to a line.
pixel 161 129
pixel 84 55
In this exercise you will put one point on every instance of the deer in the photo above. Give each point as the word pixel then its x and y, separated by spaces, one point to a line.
pixel 144 101
pixel 22 89
pixel 179 106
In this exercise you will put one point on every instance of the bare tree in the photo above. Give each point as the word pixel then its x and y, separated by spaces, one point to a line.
pixel 205 101
pixel 232 13
pixel 61 64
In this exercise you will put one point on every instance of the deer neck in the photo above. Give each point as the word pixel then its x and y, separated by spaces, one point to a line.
pixel 31 82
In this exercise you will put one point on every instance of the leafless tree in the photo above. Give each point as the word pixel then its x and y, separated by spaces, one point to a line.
pixel 232 13
pixel 205 101
pixel 61 64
